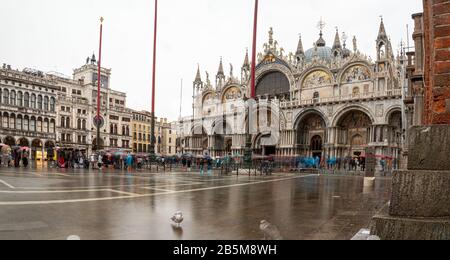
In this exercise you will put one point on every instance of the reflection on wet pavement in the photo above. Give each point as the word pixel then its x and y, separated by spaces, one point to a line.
pixel 118 205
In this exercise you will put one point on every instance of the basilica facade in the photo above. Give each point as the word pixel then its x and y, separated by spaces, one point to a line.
pixel 326 101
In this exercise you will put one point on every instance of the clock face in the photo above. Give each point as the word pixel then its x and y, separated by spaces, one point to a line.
pixel 99 122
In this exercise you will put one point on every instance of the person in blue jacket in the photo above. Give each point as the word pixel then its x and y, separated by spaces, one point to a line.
pixel 129 161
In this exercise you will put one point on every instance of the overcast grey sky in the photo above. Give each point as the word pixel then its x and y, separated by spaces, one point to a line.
pixel 58 35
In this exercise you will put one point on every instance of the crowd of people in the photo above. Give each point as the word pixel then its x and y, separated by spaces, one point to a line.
pixel 125 160
pixel 14 157
pixel 71 159
pixel 101 160
pixel 346 163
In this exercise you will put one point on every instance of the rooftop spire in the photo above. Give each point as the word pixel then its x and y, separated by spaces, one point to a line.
pixel 382 32
pixel 221 71
pixel 246 60
pixel 337 41
pixel 198 77
pixel 300 50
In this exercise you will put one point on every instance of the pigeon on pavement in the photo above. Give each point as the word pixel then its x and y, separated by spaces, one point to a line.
pixel 271 232
pixel 177 218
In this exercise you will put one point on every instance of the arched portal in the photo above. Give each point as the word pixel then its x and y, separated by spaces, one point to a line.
pixel 221 138
pixel 228 145
pixel 353 133
pixel 265 144
pixel 23 142
pixel 199 140
pixel 265 127
pixel 311 133
pixel 36 146
pixel 316 146
pixel 50 149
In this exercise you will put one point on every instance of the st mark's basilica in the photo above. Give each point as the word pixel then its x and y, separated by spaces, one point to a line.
pixel 331 102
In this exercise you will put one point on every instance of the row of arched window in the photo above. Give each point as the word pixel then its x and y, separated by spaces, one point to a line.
pixel 27 123
pixel 113 129
pixel 65 122
pixel 28 100
pixel 81 124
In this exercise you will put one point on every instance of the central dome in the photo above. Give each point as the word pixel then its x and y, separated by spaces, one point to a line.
pixel 322 52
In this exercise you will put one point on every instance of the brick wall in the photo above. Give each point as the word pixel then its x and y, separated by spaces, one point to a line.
pixel 437 61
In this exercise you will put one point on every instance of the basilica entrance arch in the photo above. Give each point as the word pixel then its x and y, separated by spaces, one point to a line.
pixel 199 140
pixel 228 145
pixel 316 146
pixel 265 127
pixel 221 139
pixel 265 144
pixel 311 133
pixel 353 133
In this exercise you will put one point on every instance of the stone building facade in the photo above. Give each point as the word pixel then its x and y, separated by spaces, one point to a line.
pixel 165 134
pixel 328 102
pixel 167 138
pixel 28 109
pixel 116 130
pixel 48 110
pixel 420 198
pixel 141 131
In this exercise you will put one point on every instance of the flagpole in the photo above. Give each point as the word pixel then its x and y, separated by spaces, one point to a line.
pixel 255 31
pixel 248 144
pixel 181 97
pixel 153 141
pixel 98 119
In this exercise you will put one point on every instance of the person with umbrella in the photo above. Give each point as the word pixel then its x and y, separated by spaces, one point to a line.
pixel 184 163
pixel 383 164
pixel 6 153
pixel 189 164
pixel 15 156
pixel 62 162
pixel 24 157
pixel 129 161
pixel 50 156
pixel 209 164
pixel 100 161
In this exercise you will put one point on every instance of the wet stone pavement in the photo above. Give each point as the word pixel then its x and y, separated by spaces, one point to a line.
pixel 115 205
